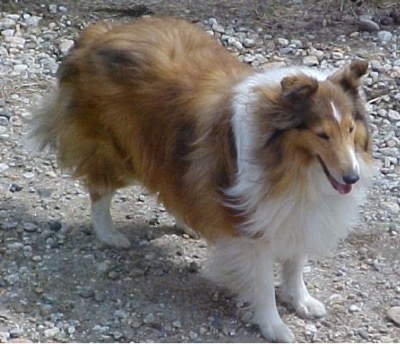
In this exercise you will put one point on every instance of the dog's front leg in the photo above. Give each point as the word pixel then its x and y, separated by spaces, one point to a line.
pixel 264 304
pixel 246 266
pixel 295 293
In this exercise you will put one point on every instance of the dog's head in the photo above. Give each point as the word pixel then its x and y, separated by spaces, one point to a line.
pixel 322 121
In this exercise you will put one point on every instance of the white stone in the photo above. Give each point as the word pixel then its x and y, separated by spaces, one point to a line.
pixel 394 314
pixel 65 46
pixel 20 68
pixel 390 207
pixel 384 36
pixel 393 115
pixel 3 167
pixel 8 33
pixel 283 42
pixel 249 43
pixel 7 23
pixel 310 60
pixel 51 332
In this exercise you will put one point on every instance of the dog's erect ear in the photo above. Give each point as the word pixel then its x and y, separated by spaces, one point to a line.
pixel 299 88
pixel 349 78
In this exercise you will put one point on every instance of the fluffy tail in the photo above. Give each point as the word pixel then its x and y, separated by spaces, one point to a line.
pixel 53 112
pixel 45 122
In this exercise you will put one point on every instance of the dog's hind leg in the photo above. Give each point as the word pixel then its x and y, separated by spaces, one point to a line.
pixel 295 293
pixel 186 229
pixel 102 220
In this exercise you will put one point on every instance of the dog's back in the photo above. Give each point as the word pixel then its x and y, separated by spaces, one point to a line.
pixel 116 83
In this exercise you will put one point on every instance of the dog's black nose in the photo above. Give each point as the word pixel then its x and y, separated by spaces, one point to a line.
pixel 351 178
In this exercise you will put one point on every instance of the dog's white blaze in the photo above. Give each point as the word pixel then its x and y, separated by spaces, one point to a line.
pixel 354 160
pixel 336 113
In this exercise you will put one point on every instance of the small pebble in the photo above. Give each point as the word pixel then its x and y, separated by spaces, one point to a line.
pixel 149 319
pixel 30 227
pixel 51 332
pixel 354 308
pixel 86 292
pixel 393 314
pixel 363 333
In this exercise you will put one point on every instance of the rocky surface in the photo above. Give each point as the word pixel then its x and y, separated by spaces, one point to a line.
pixel 58 284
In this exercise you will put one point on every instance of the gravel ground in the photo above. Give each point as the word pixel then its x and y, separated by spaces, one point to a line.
pixel 58 285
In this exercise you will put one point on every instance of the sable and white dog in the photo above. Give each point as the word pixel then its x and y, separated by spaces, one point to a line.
pixel 265 165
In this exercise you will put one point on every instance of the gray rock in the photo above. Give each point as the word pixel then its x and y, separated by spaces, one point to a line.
pixel 62 9
pixel 337 55
pixel 394 314
pixel 237 45
pixel 30 227
pixel 176 324
pixel 212 21
pixel 33 21
pixel 4 121
pixel 8 33
pixel 15 332
pixel 28 175
pixel 249 43
pixel 12 278
pixel 368 25
pixel 391 207
pixel 296 43
pixel 53 8
pixel 86 292
pixel 71 330
pixel 149 319
pixel 51 332
pixel 363 333
pixel 5 112
pixel 218 28
pixel 15 40
pixel 283 42
pixel 384 36
pixel 20 68
pixel 310 61
pixel 193 335
pixel 194 267
pixel 393 115
pixel 286 50
pixel 7 23
pixel 354 308
pixel 99 296
pixel 14 17
pixel 65 46
pixel 4 336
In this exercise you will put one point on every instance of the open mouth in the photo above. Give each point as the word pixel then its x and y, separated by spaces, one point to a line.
pixel 341 188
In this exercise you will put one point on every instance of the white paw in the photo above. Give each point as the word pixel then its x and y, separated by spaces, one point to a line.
pixel 115 239
pixel 277 332
pixel 309 308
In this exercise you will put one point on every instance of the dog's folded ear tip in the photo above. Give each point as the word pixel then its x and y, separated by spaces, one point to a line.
pixel 359 67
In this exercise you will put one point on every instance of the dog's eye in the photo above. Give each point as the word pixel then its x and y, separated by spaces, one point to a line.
pixel 351 129
pixel 323 135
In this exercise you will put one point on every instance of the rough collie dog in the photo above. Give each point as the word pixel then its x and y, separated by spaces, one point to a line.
pixel 265 165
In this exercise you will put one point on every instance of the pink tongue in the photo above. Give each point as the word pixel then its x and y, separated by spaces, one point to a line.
pixel 341 188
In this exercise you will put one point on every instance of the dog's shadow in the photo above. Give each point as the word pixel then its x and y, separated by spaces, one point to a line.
pixel 79 280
